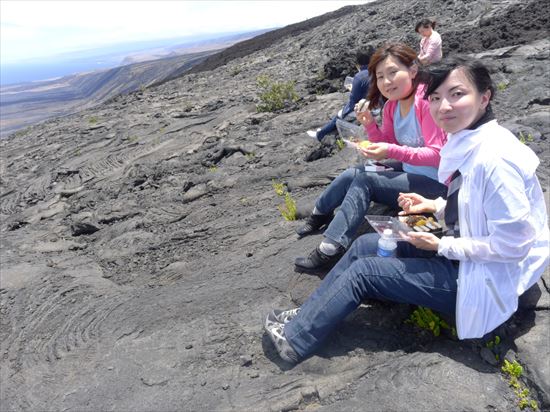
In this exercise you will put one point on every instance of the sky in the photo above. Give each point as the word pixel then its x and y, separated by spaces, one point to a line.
pixel 39 29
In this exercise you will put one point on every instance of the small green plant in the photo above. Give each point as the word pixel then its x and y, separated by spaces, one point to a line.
pixel 279 187
pixel 513 371
pixel 213 169
pixel 426 319
pixel 92 120
pixel 250 155
pixel 502 86
pixel 132 139
pixel 512 368
pixel 288 210
pixel 274 95
pixel 526 138
pixel 340 144
pixel 493 345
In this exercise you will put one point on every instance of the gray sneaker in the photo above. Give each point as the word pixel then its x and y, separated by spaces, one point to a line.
pixel 276 333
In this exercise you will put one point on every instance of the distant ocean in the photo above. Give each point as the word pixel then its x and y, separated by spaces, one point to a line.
pixel 22 73
pixel 106 57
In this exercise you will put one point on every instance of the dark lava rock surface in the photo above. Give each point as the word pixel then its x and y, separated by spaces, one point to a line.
pixel 141 244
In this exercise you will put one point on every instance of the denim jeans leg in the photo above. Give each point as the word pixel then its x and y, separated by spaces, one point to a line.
pixel 429 282
pixel 328 128
pixel 381 187
pixel 335 193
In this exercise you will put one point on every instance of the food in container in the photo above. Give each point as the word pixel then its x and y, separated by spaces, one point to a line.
pixel 421 223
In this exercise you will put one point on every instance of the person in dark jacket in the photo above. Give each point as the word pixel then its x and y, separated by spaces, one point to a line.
pixel 359 88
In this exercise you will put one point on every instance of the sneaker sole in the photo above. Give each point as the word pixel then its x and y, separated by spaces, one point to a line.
pixel 309 271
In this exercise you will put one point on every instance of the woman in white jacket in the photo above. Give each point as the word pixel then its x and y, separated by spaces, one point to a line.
pixel 497 242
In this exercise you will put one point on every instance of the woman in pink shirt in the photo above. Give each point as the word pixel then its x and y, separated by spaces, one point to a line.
pixel 408 136
pixel 430 45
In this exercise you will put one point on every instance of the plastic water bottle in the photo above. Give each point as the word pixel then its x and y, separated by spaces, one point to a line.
pixel 386 245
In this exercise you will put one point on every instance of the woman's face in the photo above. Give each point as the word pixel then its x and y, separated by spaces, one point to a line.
pixel 425 31
pixel 394 79
pixel 456 103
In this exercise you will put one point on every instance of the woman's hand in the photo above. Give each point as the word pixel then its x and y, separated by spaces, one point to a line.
pixel 376 151
pixel 365 118
pixel 413 203
pixel 425 241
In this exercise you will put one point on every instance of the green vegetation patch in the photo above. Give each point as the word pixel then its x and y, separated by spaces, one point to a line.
pixel 502 86
pixel 425 318
pixel 288 209
pixel 526 138
pixel 513 371
pixel 275 95
pixel 279 187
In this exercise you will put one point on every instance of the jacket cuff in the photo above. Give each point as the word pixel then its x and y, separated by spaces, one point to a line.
pixel 444 246
pixel 440 204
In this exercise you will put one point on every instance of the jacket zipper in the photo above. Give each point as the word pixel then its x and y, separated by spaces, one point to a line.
pixel 493 290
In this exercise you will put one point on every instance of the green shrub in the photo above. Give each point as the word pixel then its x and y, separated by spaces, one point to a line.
pixel 288 210
pixel 340 144
pixel 502 86
pixel 92 120
pixel 426 319
pixel 512 368
pixel 278 187
pixel 513 371
pixel 525 138
pixel 274 95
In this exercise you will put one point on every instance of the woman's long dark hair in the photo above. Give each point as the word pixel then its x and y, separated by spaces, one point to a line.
pixel 399 51
pixel 435 74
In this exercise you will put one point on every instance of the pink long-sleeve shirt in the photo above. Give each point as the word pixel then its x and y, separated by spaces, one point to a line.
pixel 434 137
pixel 430 48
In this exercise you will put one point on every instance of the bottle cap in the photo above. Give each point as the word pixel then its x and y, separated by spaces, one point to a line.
pixel 388 232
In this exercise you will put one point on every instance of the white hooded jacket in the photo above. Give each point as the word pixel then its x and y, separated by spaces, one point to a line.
pixel 504 236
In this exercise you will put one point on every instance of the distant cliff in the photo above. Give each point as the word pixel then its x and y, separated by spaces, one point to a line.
pixel 28 103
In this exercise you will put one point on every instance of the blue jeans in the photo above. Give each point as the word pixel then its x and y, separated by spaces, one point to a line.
pixel 328 128
pixel 415 276
pixel 354 189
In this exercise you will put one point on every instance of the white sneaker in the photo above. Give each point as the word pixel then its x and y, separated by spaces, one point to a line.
pixel 312 134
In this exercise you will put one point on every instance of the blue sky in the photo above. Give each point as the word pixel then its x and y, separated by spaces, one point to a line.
pixel 38 29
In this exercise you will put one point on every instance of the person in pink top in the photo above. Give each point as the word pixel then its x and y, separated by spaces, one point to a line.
pixel 408 139
pixel 430 45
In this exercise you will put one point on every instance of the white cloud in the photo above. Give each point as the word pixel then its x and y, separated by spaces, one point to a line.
pixel 32 29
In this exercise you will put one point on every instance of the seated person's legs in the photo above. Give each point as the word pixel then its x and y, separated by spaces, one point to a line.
pixel 422 281
pixel 381 187
pixel 329 200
